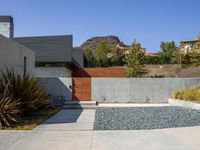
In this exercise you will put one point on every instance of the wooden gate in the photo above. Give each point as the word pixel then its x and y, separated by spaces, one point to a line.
pixel 81 88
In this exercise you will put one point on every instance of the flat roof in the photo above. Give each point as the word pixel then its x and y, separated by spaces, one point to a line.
pixel 49 48
pixel 188 41
pixel 6 19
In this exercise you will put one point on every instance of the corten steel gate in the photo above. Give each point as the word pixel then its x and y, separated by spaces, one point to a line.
pixel 81 89
pixel 81 80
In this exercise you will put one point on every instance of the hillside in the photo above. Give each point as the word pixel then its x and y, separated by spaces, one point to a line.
pixel 173 71
pixel 93 42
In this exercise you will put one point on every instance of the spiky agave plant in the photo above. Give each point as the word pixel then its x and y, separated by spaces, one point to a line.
pixel 26 88
pixel 9 110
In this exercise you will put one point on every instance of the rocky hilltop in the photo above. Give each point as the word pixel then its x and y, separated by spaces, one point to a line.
pixel 93 42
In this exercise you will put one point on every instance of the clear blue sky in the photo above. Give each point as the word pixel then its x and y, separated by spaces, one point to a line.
pixel 148 21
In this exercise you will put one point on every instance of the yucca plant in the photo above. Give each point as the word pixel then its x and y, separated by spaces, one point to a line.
pixel 9 110
pixel 26 88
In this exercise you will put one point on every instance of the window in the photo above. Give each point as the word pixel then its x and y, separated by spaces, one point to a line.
pixel 24 65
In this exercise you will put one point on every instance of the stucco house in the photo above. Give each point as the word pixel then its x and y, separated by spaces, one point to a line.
pixel 187 45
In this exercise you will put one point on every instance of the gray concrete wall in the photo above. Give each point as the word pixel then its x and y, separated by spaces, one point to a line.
pixel 130 90
pixel 52 72
pixel 12 56
pixel 59 88
pixel 78 56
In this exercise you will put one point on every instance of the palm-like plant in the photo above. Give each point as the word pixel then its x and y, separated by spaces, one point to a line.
pixel 9 110
pixel 26 88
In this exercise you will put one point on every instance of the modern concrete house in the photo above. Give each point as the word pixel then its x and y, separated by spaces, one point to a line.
pixel 54 59
pixel 54 55
pixel 48 57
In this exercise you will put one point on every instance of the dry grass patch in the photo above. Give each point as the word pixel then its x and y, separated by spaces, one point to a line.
pixel 189 94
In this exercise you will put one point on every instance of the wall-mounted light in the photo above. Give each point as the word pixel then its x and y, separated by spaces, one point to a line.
pixel 103 99
pixel 147 100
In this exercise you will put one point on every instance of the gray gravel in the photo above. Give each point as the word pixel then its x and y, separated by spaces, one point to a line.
pixel 145 118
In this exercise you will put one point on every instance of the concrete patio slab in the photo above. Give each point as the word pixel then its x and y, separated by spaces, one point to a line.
pixel 53 140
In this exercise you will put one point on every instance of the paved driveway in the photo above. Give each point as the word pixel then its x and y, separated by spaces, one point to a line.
pixel 56 134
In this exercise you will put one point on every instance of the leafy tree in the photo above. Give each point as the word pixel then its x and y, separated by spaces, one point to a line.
pixel 102 55
pixel 167 50
pixel 152 60
pixel 117 57
pixel 135 61
pixel 179 57
pixel 90 57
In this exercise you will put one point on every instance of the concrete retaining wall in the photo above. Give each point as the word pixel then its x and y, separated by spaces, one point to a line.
pixel 59 88
pixel 126 90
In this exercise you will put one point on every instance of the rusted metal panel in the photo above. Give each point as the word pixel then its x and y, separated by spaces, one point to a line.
pixel 81 89
pixel 99 72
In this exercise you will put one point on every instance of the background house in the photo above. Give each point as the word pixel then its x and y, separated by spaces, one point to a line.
pixel 187 45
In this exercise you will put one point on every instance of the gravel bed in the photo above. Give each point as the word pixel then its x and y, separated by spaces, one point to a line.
pixel 145 118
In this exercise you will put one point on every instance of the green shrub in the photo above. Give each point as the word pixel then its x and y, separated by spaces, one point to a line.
pixel 26 88
pixel 9 110
pixel 189 94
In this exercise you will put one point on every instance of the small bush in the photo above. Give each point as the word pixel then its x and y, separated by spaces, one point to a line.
pixel 189 94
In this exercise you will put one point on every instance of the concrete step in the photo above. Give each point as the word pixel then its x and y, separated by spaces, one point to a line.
pixel 80 104
pixel 79 107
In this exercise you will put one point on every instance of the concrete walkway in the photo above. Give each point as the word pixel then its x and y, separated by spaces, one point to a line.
pixel 62 132
pixel 69 120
